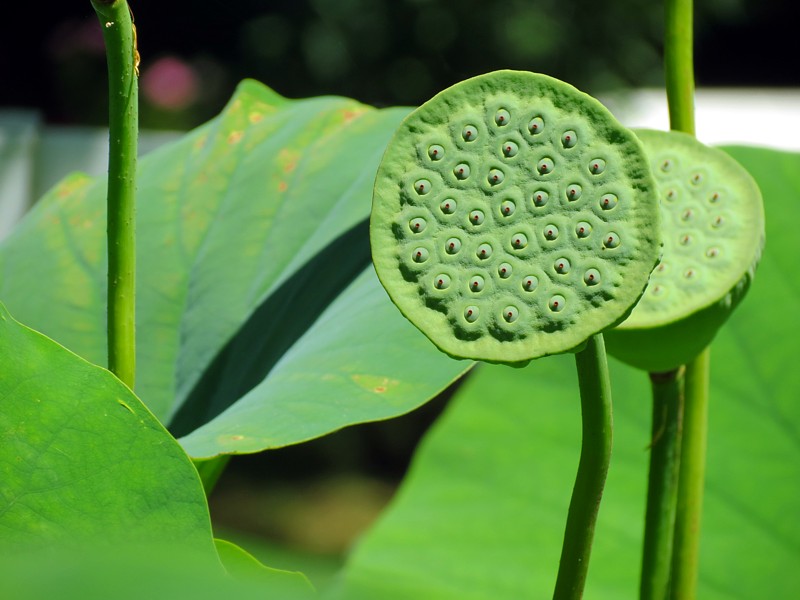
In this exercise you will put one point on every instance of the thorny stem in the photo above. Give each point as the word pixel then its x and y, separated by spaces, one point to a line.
pixel 596 442
pixel 119 36
pixel 662 488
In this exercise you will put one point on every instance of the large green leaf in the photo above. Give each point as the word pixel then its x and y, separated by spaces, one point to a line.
pixel 248 229
pixel 93 485
pixel 82 459
pixel 482 512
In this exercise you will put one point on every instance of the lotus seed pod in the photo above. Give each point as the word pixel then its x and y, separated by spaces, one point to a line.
pixel 532 223
pixel 713 230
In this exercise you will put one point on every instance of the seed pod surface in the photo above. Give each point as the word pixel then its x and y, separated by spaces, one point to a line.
pixel 713 232
pixel 522 175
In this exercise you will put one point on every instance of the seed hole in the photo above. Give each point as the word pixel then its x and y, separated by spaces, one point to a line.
pixel 557 303
pixel 496 176
pixel 718 222
pixel 608 201
pixel 461 171
pixel 583 229
pixel 530 283
pixel 519 241
pixel 714 198
pixel 435 152
pixel 417 225
pixel 510 149
pixel 420 255
pixel 689 273
pixel 422 186
pixel 471 313
pixel 507 208
pixel 685 239
pixel 476 283
pixel 452 245
pixel 504 270
pixel 476 217
pixel 597 166
pixel 671 195
pixel 712 252
pixel 545 166
pixel 697 179
pixel 469 133
pixel 569 139
pixel 484 251
pixel 502 117
pixel 540 198
pixel 448 206
pixel 573 192
pixel 550 232
pixel 441 281
pixel 687 215
pixel 666 165
pixel 611 240
pixel 510 314
pixel 562 266
pixel 591 277
pixel 536 125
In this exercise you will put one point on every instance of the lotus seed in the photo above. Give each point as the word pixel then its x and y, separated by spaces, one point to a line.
pixel 557 303
pixel 507 208
pixel 661 267
pixel 436 152
pixel 611 241
pixel 562 266
pixel 545 166
pixel 597 166
pixel 469 133
pixel 573 192
pixel 667 165
pixel 536 125
pixel 420 255
pixel 685 240
pixel 714 198
pixel 452 245
pixel 712 252
pixel 484 251
pixel 476 283
pixel 417 225
pixel 476 217
pixel 550 232
pixel 441 281
pixel 519 241
pixel 608 201
pixel 423 186
pixel 591 277
pixel 689 273
pixel 504 270
pixel 496 176
pixel 697 179
pixel 718 222
pixel 530 283
pixel 502 117
pixel 448 206
pixel 569 139
pixel 687 215
pixel 510 314
pixel 540 198
pixel 583 229
pixel 671 195
pixel 658 290
pixel 461 171
pixel 510 149
pixel 471 314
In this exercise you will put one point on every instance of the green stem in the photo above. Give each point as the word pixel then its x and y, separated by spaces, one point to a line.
pixel 662 488
pixel 592 469
pixel 210 470
pixel 686 553
pixel 679 66
pixel 118 33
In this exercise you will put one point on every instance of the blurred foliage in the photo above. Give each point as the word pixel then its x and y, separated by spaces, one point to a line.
pixel 382 52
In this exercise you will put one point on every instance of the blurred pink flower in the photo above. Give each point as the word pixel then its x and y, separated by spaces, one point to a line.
pixel 169 83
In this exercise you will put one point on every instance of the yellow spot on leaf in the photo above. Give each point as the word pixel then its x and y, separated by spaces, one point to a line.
pixel 235 137
pixel 375 383
pixel 256 117
pixel 287 159
pixel 282 186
